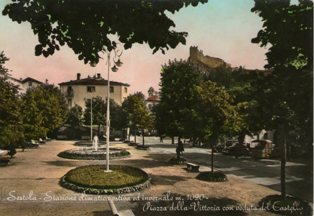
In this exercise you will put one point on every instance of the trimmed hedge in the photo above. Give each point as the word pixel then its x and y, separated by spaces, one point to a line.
pixel 175 160
pixel 93 180
pixel 88 154
pixel 141 147
pixel 212 176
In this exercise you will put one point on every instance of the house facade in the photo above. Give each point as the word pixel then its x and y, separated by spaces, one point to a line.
pixel 78 91
pixel 25 84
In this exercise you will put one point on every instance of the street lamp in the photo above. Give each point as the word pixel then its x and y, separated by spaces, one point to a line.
pixel 116 63
pixel 91 119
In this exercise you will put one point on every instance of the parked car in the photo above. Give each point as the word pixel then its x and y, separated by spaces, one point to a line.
pixel 262 149
pixel 219 147
pixel 228 145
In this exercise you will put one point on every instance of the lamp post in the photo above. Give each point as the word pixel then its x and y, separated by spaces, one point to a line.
pixel 117 53
pixel 91 119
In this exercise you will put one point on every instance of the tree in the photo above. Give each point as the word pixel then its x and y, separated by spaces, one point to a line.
pixel 86 26
pixel 11 130
pixel 288 34
pixel 116 115
pixel 51 103
pixel 75 116
pixel 137 115
pixel 99 112
pixel 33 120
pixel 245 87
pixel 43 110
pixel 218 114
pixel 176 114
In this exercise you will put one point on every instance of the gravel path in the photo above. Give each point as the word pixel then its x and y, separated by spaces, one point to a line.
pixel 29 186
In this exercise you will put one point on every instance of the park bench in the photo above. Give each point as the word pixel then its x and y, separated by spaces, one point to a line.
pixel 192 167
pixel 4 161
pixel 132 143
pixel 29 144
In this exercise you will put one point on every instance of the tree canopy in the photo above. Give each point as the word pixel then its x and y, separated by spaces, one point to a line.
pixel 136 113
pixel 86 26
pixel 75 116
pixel 43 110
pixel 98 110
pixel 288 34
pixel 178 98
pixel 11 129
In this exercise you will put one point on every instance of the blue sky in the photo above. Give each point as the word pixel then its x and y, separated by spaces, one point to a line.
pixel 221 28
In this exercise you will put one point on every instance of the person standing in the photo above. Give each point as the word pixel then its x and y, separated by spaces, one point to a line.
pixel 179 149
pixel 95 142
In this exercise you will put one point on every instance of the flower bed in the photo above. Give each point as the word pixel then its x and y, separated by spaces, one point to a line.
pixel 93 180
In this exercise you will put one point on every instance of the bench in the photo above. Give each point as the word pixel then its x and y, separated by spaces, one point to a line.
pixel 4 161
pixel 192 167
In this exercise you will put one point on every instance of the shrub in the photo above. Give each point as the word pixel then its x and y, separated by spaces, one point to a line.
pixel 212 176
pixel 290 206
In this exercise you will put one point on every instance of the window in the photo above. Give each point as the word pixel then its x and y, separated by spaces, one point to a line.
pixel 69 89
pixel 70 102
pixel 30 83
pixel 111 89
pixel 125 90
pixel 91 89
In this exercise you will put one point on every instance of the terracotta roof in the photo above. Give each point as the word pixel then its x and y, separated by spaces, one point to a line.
pixel 14 79
pixel 31 79
pixel 92 81
pixel 153 98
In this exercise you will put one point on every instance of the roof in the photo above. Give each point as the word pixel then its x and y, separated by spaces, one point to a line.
pixel 92 81
pixel 153 98
pixel 27 79
pixel 14 79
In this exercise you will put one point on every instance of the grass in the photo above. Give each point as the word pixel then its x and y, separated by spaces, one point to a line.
pixel 212 176
pixel 93 176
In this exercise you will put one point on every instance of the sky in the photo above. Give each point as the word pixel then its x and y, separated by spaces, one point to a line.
pixel 221 28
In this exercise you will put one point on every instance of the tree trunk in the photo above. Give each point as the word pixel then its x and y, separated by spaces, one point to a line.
pixel 212 158
pixel 135 136
pixel 143 141
pixel 172 140
pixel 241 138
pixel 283 165
pixel 213 141
pixel 98 130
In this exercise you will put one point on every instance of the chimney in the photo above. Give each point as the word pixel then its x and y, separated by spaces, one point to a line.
pixel 98 76
pixel 78 76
